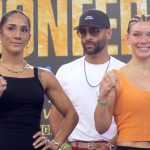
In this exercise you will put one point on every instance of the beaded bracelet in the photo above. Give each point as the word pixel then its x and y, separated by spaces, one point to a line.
pixel 102 103
pixel 65 145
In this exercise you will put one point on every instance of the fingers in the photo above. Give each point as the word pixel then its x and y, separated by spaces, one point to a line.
pixel 112 79
pixel 47 148
pixel 3 85
pixel 109 82
pixel 44 142
pixel 41 140
pixel 37 134
pixel 50 146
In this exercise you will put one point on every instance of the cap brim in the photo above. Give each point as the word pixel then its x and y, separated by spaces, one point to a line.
pixel 90 25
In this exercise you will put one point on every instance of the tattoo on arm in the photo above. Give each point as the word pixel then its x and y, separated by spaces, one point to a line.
pixel 40 76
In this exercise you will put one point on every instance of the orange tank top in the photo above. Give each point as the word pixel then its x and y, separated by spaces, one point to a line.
pixel 132 111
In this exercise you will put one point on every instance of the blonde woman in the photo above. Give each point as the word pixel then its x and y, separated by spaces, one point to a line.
pixel 125 93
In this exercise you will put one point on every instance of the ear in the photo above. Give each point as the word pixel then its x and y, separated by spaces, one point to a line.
pixel 0 35
pixel 0 39
pixel 29 39
pixel 127 37
pixel 109 33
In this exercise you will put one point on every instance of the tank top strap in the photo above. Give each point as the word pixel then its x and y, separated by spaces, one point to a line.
pixel 36 76
pixel 36 72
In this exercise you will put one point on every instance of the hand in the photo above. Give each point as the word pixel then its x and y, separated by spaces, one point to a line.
pixel 44 142
pixel 109 82
pixel 3 85
pixel 66 146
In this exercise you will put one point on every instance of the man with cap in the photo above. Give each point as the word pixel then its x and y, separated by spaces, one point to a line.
pixel 81 79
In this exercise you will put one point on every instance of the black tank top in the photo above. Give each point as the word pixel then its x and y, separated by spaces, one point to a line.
pixel 20 112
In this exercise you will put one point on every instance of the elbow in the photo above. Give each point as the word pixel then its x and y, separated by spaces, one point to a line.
pixel 101 129
pixel 102 121
pixel 101 124
pixel 76 118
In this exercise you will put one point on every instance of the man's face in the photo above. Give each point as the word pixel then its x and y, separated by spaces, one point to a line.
pixel 93 39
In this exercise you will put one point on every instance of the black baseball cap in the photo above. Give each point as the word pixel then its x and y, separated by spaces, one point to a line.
pixel 94 18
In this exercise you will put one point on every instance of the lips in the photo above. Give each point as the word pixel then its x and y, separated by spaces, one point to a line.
pixel 89 44
pixel 16 44
pixel 144 48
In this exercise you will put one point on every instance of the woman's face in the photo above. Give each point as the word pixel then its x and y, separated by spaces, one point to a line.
pixel 15 33
pixel 139 39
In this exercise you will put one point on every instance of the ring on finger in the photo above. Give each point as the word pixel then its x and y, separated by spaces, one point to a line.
pixel 46 142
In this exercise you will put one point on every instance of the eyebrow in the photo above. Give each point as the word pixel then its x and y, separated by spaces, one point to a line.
pixel 21 26
pixel 138 31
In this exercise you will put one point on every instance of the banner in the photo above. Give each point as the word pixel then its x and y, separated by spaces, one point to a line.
pixel 54 40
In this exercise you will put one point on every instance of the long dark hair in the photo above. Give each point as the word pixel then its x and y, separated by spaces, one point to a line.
pixel 8 14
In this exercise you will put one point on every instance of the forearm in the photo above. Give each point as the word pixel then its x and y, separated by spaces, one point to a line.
pixel 105 105
pixel 103 118
pixel 69 122
pixel 55 119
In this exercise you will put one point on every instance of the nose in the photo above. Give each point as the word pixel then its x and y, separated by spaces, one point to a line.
pixel 88 36
pixel 17 34
pixel 144 39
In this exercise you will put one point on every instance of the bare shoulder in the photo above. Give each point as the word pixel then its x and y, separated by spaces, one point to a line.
pixel 45 72
pixel 46 77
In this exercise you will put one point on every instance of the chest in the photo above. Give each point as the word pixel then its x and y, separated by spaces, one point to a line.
pixel 140 81
pixel 22 92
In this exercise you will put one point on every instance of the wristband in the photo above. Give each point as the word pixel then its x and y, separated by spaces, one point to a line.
pixel 65 145
pixel 102 103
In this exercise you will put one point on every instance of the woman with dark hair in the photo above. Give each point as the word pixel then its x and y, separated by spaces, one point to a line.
pixel 22 89
pixel 125 93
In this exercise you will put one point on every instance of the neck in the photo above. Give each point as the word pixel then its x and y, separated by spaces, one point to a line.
pixel 13 68
pixel 86 76
pixel 140 65
pixel 13 64
pixel 12 59
pixel 97 58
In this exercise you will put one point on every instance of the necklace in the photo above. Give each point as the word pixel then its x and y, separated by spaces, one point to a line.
pixel 86 76
pixel 13 69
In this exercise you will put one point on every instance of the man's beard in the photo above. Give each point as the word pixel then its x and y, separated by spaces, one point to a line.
pixel 99 46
